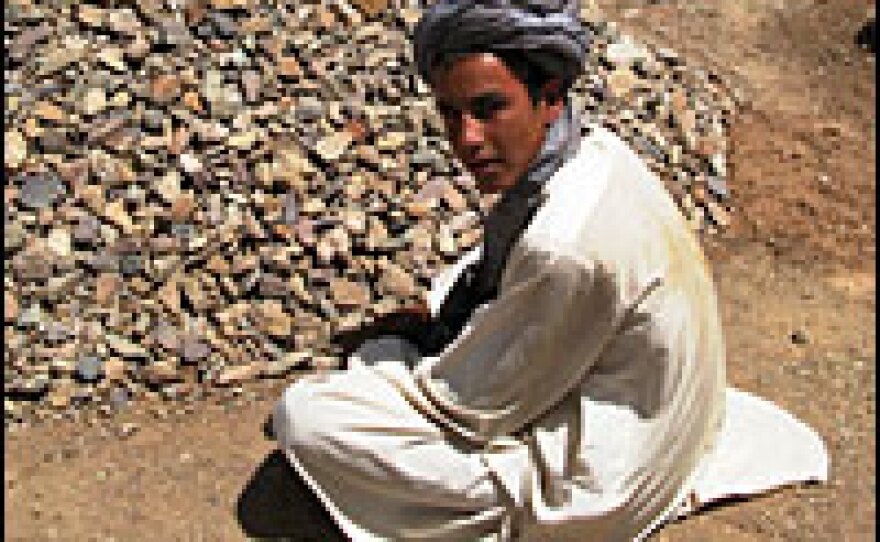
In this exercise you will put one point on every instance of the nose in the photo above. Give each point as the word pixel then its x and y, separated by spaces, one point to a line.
pixel 471 134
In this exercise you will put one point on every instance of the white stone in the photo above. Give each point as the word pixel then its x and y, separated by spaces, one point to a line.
pixel 625 51
pixel 16 149
pixel 58 242
pixel 332 147
pixel 95 101
pixel 190 163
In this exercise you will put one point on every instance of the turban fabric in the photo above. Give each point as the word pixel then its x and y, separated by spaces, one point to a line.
pixel 548 32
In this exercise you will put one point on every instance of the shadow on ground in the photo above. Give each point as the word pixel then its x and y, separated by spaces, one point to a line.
pixel 276 504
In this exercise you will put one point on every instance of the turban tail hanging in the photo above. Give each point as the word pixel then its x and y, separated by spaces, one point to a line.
pixel 549 33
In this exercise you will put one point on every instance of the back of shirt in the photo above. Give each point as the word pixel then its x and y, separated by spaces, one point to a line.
pixel 652 401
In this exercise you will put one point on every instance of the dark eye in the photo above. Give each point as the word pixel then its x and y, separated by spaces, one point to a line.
pixel 485 107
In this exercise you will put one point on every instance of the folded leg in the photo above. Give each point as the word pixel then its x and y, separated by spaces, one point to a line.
pixel 380 463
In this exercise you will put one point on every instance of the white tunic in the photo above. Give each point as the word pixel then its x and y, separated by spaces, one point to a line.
pixel 578 404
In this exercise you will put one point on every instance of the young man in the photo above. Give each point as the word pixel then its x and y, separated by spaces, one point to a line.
pixel 568 382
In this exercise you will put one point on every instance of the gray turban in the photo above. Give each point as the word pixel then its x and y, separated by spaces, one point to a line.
pixel 548 32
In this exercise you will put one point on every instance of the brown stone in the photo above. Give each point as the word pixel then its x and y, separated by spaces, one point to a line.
pixel 140 285
pixel 47 110
pixel 272 319
pixel 252 83
pixel 114 369
pixel 396 280
pixel 679 101
pixel 183 207
pixel 162 372
pixel 193 101
pixel 32 129
pixel 621 82
pixel 229 4
pixel 456 201
pixel 218 264
pixel 710 145
pixel 349 294
pixel 326 18
pixel 355 221
pixel 421 208
pixel 421 238
pixel 90 15
pixel 165 88
pixel 106 288
pixel 10 306
pixel 238 374
pixel 370 7
pixel 169 295
pixel 257 23
pixel 61 395
pixel 357 129
pixel 288 66
pixel 469 238
pixel 116 213
pixel 178 140
pixel 199 297
pixel 326 250
pixel 244 263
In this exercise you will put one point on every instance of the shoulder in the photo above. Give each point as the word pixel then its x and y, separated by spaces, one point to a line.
pixel 597 190
pixel 608 213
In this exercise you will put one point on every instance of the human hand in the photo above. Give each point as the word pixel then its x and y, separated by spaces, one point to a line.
pixel 405 321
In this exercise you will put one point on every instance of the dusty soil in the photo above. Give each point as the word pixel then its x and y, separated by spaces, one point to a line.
pixel 798 260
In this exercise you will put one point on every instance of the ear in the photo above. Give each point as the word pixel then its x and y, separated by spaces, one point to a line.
pixel 552 102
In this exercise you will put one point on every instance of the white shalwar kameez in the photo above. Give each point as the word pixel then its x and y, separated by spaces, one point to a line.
pixel 586 402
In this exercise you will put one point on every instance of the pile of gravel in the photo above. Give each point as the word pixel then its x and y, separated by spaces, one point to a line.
pixel 199 193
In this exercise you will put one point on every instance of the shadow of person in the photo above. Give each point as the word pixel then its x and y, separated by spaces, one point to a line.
pixel 276 504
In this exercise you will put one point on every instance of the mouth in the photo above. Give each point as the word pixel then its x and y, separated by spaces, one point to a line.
pixel 481 168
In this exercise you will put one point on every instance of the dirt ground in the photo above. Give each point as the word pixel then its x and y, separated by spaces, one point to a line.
pixel 799 261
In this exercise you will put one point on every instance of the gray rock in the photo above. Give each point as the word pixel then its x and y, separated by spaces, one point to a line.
pixel 193 349
pixel 290 214
pixel 39 190
pixel 87 229
pixel 184 232
pixel 33 315
pixel 14 234
pixel 718 186
pixel 167 337
pixel 89 367
pixel 119 398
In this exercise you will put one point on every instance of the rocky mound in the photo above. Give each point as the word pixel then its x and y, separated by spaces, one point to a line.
pixel 199 193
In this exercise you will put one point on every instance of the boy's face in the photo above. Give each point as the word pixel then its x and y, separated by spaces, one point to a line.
pixel 493 127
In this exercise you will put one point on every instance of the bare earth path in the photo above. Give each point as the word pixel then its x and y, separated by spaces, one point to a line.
pixel 798 261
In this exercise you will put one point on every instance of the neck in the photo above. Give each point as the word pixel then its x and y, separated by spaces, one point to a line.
pixel 561 142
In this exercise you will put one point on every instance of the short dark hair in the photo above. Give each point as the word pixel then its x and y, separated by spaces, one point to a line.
pixel 526 71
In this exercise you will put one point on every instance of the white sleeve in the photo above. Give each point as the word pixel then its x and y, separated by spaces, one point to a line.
pixel 521 354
